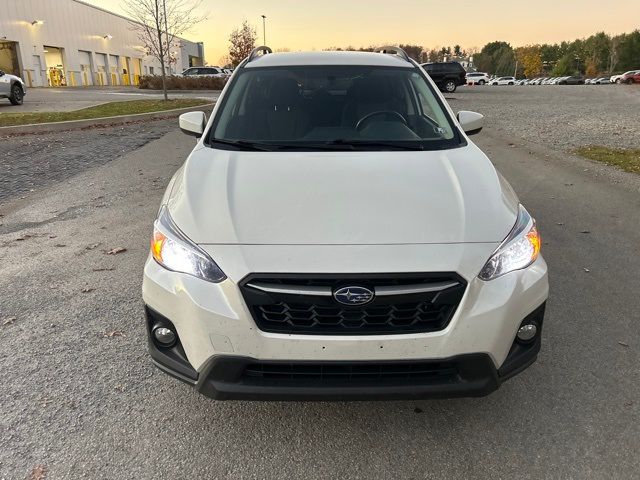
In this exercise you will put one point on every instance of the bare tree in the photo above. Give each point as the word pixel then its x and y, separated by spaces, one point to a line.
pixel 613 54
pixel 158 23
pixel 224 61
pixel 242 41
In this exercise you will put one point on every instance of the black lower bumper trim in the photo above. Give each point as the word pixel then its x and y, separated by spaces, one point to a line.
pixel 224 378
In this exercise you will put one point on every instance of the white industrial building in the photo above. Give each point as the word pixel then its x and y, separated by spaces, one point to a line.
pixel 73 43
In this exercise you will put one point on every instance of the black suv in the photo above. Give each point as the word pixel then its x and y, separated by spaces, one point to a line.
pixel 446 75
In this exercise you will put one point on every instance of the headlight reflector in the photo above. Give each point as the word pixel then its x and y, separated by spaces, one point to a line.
pixel 174 251
pixel 519 250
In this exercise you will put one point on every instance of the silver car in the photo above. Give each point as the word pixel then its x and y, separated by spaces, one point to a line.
pixel 12 87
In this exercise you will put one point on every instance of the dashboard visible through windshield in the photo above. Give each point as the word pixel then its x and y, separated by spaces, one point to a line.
pixel 332 107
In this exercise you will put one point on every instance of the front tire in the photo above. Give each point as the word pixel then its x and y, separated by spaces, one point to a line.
pixel 450 86
pixel 17 97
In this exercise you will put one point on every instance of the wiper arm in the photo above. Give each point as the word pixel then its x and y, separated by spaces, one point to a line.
pixel 375 143
pixel 272 147
pixel 311 146
pixel 244 145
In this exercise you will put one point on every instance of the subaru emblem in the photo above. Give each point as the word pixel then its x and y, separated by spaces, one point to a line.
pixel 353 295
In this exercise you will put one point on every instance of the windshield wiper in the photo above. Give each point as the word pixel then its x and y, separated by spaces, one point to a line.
pixel 311 146
pixel 273 147
pixel 244 145
pixel 375 143
pixel 338 144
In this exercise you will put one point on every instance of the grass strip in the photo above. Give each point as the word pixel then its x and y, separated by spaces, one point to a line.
pixel 112 109
pixel 627 159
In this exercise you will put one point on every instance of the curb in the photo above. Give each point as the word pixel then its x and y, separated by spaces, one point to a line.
pixel 94 122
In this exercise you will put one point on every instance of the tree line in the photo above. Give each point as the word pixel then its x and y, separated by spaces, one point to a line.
pixel 598 54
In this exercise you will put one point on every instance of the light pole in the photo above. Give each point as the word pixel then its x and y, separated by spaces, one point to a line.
pixel 264 30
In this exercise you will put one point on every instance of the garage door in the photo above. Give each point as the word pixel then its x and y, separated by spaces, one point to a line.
pixel 85 67
pixel 9 58
pixel 101 68
pixel 113 70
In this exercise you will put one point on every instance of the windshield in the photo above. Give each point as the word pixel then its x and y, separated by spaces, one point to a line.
pixel 337 107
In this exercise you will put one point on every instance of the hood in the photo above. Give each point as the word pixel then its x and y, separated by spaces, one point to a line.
pixel 341 198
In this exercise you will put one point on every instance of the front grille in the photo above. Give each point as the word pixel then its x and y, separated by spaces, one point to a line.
pixel 350 373
pixel 305 304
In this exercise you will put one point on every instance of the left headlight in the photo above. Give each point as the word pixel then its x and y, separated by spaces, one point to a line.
pixel 174 251
pixel 519 250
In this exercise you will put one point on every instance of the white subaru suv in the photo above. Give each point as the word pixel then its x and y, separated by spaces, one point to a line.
pixel 335 234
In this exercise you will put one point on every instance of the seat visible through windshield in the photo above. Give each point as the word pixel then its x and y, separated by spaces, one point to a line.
pixel 330 104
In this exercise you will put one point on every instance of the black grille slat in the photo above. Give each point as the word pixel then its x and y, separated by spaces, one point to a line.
pixel 281 312
pixel 350 372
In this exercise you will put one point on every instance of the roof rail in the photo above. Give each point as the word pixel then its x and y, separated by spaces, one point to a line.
pixel 394 50
pixel 254 53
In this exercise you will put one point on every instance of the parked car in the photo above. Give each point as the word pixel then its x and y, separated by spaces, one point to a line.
pixel 477 78
pixel 572 80
pixel 12 87
pixel 601 81
pixel 270 276
pixel 631 77
pixel 618 78
pixel 203 72
pixel 446 75
pixel 503 81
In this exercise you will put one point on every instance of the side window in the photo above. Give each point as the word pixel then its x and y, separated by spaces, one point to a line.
pixel 426 108
pixel 430 105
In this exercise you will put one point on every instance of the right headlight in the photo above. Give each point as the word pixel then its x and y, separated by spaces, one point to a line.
pixel 519 250
pixel 174 251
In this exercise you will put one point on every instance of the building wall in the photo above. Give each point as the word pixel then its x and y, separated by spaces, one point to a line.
pixel 78 34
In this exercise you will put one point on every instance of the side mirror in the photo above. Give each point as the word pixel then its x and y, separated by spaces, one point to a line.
pixel 193 123
pixel 471 122
pixel 1 73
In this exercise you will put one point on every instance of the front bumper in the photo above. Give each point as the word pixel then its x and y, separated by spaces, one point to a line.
pixel 234 377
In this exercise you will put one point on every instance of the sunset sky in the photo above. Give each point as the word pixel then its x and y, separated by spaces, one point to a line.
pixel 305 25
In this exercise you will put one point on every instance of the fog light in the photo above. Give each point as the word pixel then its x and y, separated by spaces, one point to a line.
pixel 527 332
pixel 164 336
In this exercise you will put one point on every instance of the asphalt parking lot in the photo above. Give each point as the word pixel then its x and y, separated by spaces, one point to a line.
pixel 80 398
pixel 75 98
